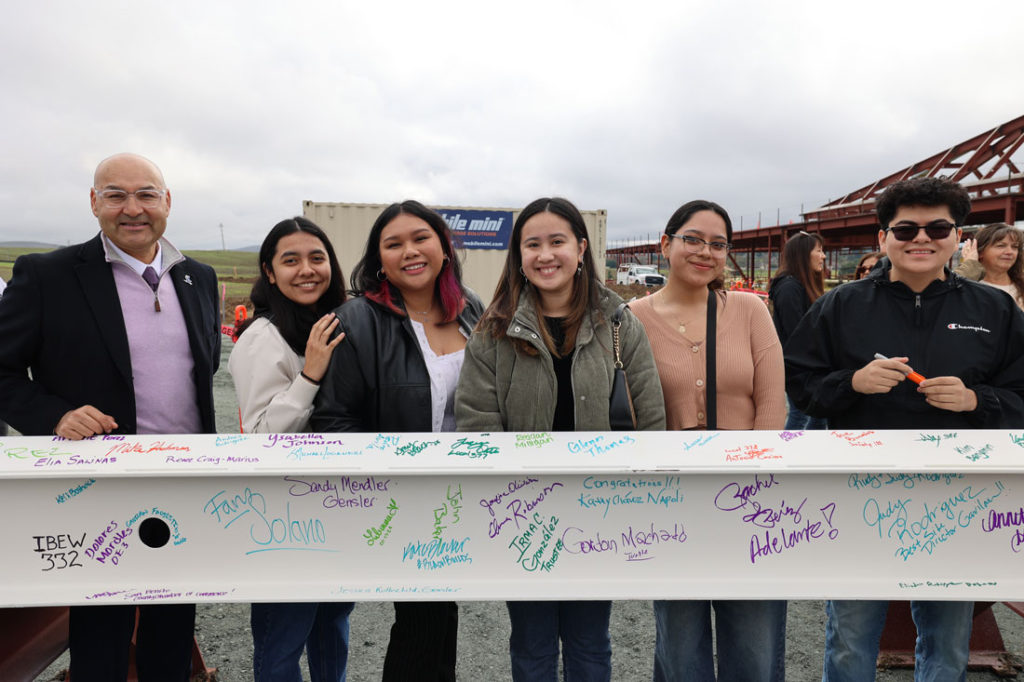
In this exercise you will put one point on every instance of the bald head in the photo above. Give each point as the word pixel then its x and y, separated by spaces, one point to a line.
pixel 118 163
pixel 133 224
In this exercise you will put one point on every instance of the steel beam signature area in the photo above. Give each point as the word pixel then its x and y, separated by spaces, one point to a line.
pixel 795 515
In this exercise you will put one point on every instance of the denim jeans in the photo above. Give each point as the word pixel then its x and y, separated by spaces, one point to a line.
pixel 582 626
pixel 798 421
pixel 854 629
pixel 281 631
pixel 750 638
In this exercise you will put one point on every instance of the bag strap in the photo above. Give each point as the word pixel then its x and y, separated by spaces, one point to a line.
pixel 616 323
pixel 710 396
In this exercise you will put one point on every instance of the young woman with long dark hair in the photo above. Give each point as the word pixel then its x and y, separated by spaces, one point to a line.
pixel 748 393
pixel 799 282
pixel 405 335
pixel 541 360
pixel 277 365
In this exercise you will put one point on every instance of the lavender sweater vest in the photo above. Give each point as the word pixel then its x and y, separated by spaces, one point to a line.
pixel 161 358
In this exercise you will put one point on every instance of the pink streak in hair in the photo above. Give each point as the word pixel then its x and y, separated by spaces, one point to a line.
pixel 452 300
pixel 384 298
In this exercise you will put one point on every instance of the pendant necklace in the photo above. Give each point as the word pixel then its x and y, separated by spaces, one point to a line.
pixel 425 314
pixel 681 324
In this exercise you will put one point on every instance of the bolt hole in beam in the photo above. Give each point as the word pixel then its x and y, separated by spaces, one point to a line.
pixel 154 532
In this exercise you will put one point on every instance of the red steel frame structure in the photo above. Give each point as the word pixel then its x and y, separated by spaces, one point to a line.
pixel 983 164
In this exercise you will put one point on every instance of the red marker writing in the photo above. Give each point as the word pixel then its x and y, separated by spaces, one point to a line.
pixel 913 376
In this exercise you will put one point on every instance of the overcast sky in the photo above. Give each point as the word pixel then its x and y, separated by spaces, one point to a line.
pixel 634 107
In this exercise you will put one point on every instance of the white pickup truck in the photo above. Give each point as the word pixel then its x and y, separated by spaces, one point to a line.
pixel 634 273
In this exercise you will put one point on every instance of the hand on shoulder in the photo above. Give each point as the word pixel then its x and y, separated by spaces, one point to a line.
pixel 320 346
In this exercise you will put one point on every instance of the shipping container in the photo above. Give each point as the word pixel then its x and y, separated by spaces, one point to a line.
pixel 482 234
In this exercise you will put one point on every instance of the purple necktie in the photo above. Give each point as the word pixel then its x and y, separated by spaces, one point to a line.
pixel 149 274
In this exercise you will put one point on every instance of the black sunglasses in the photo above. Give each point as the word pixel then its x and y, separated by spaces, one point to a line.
pixel 940 229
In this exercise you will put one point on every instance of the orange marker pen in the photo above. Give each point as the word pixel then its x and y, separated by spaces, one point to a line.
pixel 913 376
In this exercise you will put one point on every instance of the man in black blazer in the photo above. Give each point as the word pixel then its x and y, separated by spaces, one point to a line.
pixel 122 335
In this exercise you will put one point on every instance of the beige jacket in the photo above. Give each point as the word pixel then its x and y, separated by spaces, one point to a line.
pixel 272 396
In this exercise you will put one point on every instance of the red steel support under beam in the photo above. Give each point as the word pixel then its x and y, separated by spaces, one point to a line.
pixel 739 268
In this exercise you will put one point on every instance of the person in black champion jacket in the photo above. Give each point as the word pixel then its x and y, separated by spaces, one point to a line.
pixel 954 327
pixel 966 339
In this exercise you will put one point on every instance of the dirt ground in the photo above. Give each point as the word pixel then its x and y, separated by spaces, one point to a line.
pixel 226 642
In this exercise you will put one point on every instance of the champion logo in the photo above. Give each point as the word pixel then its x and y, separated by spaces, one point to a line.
pixel 954 326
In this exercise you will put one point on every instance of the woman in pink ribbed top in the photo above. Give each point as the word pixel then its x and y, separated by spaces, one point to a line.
pixel 750 394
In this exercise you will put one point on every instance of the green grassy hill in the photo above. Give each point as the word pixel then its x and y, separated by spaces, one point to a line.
pixel 236 270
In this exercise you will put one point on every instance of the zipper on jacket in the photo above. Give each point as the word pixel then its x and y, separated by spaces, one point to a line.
pixel 572 384
pixel 917 310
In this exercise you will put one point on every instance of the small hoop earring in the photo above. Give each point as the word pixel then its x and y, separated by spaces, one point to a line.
pixel 381 276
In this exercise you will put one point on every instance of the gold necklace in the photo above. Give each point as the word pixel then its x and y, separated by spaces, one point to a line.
pixel 681 324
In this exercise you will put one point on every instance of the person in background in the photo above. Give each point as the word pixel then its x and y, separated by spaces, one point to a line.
pixel 541 360
pixel 866 263
pixel 799 282
pixel 405 335
pixel 993 257
pixel 277 365
pixel 749 394
pixel 966 338
pixel 121 334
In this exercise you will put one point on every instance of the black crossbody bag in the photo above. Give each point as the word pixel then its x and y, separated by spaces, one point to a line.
pixel 621 415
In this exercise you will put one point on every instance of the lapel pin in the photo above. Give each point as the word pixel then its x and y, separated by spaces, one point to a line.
pixel 188 280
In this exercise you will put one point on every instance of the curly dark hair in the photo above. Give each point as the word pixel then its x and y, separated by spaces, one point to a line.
pixel 923 192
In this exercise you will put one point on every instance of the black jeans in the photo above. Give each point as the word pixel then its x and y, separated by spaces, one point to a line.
pixel 423 642
pixel 100 637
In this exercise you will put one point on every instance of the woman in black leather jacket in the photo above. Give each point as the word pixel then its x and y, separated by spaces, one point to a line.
pixel 396 371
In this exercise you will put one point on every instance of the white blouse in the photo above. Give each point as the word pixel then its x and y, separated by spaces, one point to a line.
pixel 444 375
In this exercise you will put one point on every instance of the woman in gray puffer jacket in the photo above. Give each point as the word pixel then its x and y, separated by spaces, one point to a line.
pixel 541 360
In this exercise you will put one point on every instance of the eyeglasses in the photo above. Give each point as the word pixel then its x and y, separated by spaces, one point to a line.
pixel 147 198
pixel 696 244
pixel 940 229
